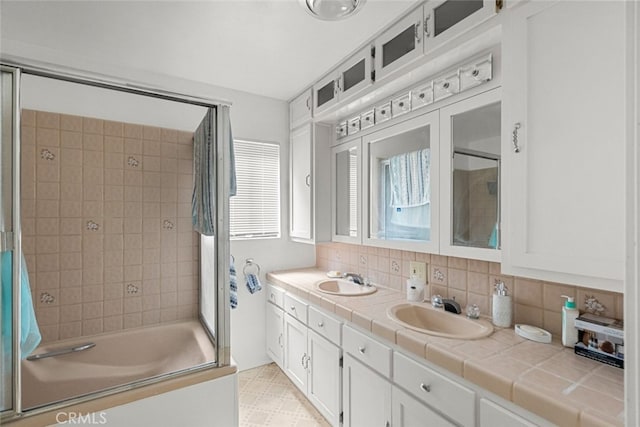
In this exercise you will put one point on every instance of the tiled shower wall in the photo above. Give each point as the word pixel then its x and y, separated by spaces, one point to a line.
pixel 535 302
pixel 106 224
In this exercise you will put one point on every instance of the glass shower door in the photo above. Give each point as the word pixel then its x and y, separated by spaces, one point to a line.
pixel 8 86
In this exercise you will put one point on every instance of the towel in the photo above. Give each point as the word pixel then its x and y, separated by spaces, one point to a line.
pixel 29 332
pixel 253 283
pixel 409 177
pixel 493 239
pixel 215 124
pixel 233 285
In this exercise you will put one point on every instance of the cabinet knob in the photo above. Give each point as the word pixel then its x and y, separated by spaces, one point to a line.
pixel 293 308
pixel 446 85
pixel 320 324
pixel 475 72
pixel 368 119
pixel 361 349
pixel 425 387
pixel 383 112
pixel 421 96
pixel 400 104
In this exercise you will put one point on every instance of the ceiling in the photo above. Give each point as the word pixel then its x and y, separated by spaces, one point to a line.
pixel 266 47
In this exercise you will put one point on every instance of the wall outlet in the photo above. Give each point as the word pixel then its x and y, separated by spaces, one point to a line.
pixel 419 269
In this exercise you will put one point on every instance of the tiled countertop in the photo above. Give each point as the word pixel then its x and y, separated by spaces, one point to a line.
pixel 546 379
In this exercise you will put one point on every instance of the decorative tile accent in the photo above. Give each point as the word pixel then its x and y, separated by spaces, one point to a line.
pixel 47 298
pixel 93 226
pixel 395 267
pixel 132 289
pixel 438 275
pixel 45 154
pixel 167 225
pixel 592 305
pixel 133 162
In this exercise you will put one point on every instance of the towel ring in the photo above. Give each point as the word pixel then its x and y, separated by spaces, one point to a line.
pixel 249 263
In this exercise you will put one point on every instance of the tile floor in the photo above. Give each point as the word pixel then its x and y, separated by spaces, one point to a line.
pixel 268 398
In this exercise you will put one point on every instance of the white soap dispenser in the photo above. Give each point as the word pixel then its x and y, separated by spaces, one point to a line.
pixel 569 315
pixel 502 306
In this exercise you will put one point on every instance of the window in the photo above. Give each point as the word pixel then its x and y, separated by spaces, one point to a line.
pixel 255 209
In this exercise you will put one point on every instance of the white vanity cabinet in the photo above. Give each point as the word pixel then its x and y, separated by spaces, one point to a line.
pixel 492 414
pixel 300 109
pixel 366 396
pixel 346 81
pixel 564 121
pixel 274 324
pixel 309 219
pixel 407 411
pixel 311 360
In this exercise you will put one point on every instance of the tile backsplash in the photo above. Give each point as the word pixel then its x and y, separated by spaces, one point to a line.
pixel 106 224
pixel 470 281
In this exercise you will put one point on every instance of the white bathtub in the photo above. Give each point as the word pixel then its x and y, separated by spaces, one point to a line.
pixel 117 359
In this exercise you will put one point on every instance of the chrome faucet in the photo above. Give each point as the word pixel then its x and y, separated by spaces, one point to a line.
pixel 354 277
pixel 448 304
pixel 436 301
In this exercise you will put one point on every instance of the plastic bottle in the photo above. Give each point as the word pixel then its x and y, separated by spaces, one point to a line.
pixel 569 315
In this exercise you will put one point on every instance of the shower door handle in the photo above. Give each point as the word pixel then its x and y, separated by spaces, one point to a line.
pixel 59 352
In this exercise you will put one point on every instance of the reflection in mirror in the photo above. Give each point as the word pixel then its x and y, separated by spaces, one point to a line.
pixel 347 192
pixel 476 177
pixel 399 179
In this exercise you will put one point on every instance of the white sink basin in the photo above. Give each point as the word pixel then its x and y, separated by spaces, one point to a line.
pixel 428 320
pixel 343 287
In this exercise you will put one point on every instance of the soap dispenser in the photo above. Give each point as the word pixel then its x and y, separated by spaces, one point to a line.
pixel 502 306
pixel 569 315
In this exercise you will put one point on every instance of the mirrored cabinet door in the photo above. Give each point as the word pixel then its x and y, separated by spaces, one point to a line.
pixel 401 189
pixel 345 187
pixel 470 177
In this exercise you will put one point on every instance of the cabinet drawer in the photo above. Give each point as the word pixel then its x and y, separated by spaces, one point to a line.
pixel 437 391
pixel 401 105
pixel 367 350
pixel 367 120
pixel 422 96
pixel 275 295
pixel 296 308
pixel 383 112
pixel 446 86
pixel 325 325
pixel 475 74
pixel 341 129
pixel 354 125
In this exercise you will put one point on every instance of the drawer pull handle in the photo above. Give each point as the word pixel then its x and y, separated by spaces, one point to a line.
pixel 421 96
pixel 320 324
pixel 304 356
pixel 293 308
pixel 401 104
pixel 514 137
pixel 361 349
pixel 425 387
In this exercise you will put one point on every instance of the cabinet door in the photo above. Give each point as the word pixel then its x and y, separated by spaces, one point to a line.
pixel 324 388
pixel 563 142
pixel 325 93
pixel 470 149
pixel 447 19
pixel 301 205
pixel 300 109
pixel 400 185
pixel 295 352
pixel 399 45
pixel 492 415
pixel 275 333
pixel 355 74
pixel 345 192
pixel 366 396
pixel 408 412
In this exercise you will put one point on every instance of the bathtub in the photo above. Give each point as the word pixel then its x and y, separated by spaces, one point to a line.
pixel 117 359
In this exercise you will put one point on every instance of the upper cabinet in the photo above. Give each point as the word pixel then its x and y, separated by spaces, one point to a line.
pixel 399 45
pixel 300 109
pixel 401 192
pixel 470 177
pixel 564 121
pixel 349 79
pixel 446 19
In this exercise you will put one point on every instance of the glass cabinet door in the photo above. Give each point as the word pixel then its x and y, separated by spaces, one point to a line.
pixel 401 185
pixel 471 177
pixel 400 44
pixel 325 93
pixel 354 75
pixel 345 185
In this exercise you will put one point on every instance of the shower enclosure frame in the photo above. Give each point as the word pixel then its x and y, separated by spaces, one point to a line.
pixel 220 338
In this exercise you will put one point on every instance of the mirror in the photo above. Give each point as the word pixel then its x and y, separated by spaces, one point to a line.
pixel 476 177
pixel 400 186
pixel 346 183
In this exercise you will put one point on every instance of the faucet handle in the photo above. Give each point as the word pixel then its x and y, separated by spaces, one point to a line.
pixel 437 301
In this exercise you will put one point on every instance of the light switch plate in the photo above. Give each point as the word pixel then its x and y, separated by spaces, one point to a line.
pixel 419 269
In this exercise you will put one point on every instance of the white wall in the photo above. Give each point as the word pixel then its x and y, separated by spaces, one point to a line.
pixel 253 118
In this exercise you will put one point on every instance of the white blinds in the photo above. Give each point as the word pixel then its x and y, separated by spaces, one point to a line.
pixel 255 209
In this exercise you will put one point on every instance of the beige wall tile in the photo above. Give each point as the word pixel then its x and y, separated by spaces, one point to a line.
pixel 113 128
pixel 457 278
pixel 528 315
pixel 528 292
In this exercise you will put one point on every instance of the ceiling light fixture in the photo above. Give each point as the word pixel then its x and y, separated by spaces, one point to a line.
pixel 332 10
